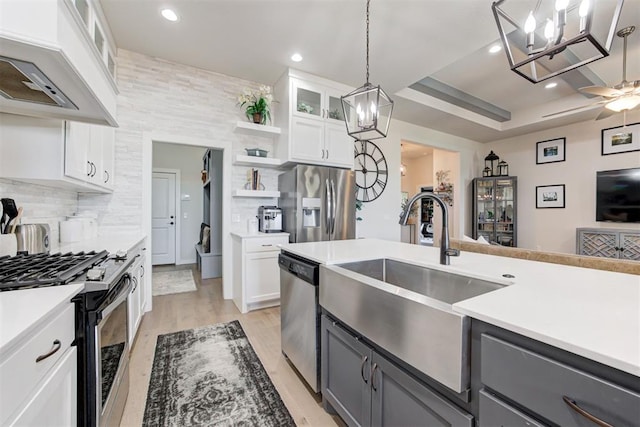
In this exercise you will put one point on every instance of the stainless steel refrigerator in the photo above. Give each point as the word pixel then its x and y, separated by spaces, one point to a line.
pixel 318 203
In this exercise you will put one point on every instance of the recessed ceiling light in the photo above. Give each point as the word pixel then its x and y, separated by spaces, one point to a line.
pixel 296 57
pixel 551 85
pixel 169 15
pixel 495 48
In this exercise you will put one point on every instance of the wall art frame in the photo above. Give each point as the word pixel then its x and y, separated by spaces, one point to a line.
pixel 551 151
pixel 620 139
pixel 550 196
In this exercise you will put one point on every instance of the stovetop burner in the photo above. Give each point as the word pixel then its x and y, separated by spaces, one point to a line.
pixel 38 270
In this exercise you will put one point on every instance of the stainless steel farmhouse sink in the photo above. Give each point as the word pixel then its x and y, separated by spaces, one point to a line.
pixel 418 326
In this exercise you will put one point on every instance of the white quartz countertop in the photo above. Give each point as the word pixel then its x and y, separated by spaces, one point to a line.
pixel 21 310
pixel 111 243
pixel 592 313
pixel 245 235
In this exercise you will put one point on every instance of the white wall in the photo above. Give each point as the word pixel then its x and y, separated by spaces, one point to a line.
pixel 189 161
pixel 419 174
pixel 41 205
pixel 554 229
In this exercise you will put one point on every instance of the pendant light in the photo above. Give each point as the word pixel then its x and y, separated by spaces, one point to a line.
pixel 543 39
pixel 367 110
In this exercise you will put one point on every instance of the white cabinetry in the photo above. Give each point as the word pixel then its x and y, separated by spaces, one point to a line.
pixel 310 112
pixel 57 153
pixel 70 42
pixel 256 275
pixel 137 297
pixel 39 376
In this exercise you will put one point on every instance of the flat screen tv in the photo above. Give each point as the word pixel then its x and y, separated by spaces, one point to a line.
pixel 618 195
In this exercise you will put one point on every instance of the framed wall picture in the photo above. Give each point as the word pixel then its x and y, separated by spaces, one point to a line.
pixel 550 196
pixel 551 151
pixel 621 139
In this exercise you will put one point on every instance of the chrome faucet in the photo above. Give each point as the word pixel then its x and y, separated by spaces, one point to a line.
pixel 445 250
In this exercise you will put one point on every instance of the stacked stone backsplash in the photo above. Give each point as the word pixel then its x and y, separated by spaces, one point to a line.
pixel 174 99
pixel 41 205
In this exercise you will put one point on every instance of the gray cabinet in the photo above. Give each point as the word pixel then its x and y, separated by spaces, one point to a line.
pixel 495 209
pixel 496 413
pixel 551 390
pixel 608 243
pixel 365 388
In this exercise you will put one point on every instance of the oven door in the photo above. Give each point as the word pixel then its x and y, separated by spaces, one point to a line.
pixel 112 355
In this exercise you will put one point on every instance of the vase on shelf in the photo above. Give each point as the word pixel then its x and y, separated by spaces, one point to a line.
pixel 258 118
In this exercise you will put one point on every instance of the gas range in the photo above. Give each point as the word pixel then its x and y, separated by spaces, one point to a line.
pixel 101 321
pixel 97 270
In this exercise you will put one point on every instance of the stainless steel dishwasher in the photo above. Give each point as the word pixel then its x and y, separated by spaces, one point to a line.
pixel 300 316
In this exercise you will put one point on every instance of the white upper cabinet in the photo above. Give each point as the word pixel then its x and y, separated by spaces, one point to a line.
pixel 310 113
pixel 52 152
pixel 68 47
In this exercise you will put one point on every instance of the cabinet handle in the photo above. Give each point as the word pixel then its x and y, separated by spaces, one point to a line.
pixel 621 249
pixel 373 376
pixel 142 268
pixel 135 284
pixel 267 245
pixel 573 405
pixel 90 168
pixel 93 169
pixel 364 360
pixel 327 154
pixel 107 174
pixel 616 248
pixel 56 346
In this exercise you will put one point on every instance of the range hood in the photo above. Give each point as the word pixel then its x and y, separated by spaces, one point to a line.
pixel 23 81
pixel 49 66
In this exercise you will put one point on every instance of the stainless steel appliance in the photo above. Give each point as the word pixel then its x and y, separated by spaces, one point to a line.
pixel 101 322
pixel 269 219
pixel 300 316
pixel 33 238
pixel 318 203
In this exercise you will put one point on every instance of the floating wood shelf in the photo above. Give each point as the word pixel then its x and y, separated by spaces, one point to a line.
pixel 267 162
pixel 256 129
pixel 256 193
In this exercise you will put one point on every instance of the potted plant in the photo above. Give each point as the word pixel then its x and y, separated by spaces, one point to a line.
pixel 258 104
pixel 413 213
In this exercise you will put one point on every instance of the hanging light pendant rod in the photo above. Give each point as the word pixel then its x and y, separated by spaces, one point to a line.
pixel 367 58
pixel 367 110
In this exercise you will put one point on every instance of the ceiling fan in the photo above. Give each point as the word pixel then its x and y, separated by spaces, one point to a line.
pixel 624 96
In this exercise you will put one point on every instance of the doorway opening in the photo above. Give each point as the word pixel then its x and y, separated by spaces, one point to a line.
pixel 427 168
pixel 186 215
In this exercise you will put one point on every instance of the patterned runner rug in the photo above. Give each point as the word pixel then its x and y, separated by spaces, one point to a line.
pixel 172 282
pixel 211 376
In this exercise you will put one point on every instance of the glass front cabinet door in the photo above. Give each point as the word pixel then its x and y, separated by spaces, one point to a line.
pixel 494 210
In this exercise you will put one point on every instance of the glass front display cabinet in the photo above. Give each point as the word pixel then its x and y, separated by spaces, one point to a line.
pixel 494 210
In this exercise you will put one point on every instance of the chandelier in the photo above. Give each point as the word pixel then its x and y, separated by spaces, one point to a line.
pixel 545 38
pixel 367 110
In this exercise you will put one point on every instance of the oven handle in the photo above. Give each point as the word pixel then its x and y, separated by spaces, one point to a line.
pixel 124 293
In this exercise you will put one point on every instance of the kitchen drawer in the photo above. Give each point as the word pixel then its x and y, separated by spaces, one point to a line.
pixel 265 244
pixel 539 384
pixel 496 413
pixel 20 373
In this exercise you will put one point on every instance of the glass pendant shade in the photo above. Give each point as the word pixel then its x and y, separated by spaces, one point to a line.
pixel 367 111
pixel 545 38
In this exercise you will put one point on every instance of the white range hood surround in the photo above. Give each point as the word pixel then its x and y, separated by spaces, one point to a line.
pixel 51 35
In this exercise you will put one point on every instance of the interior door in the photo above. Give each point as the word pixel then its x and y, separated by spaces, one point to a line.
pixel 163 218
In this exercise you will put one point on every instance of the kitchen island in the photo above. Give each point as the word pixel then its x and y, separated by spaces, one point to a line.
pixel 570 316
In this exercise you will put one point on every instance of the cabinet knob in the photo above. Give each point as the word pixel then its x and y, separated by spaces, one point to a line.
pixel 171 223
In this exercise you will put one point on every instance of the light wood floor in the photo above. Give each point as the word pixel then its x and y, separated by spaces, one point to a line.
pixel 203 307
